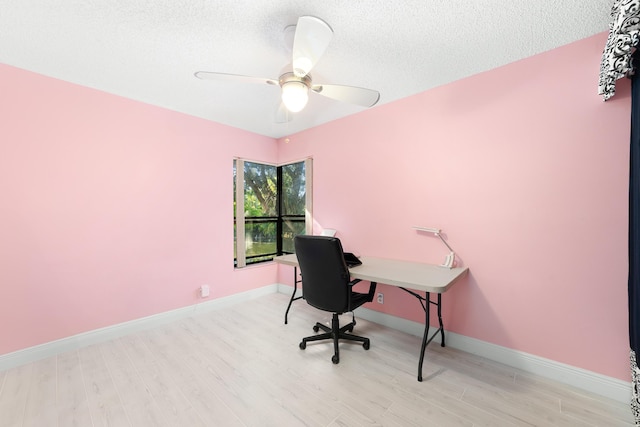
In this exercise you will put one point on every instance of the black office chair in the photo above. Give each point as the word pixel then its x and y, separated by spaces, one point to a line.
pixel 326 285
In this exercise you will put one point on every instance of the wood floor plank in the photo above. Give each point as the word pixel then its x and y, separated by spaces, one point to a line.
pixel 71 396
pixel 218 363
pixel 595 414
pixel 427 414
pixel 247 398
pixel 41 407
pixel 355 420
pixel 139 405
pixel 210 409
pixel 3 376
pixel 103 399
pixel 581 405
pixel 520 407
pixel 173 406
pixel 437 393
pixel 15 391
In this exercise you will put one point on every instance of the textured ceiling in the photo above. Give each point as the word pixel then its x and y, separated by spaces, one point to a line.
pixel 148 50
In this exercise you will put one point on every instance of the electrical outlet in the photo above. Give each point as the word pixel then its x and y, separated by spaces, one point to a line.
pixel 380 298
pixel 204 291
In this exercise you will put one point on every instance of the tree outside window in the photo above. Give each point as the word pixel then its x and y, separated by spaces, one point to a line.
pixel 274 209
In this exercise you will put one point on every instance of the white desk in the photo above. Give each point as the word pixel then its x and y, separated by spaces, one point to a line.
pixel 406 275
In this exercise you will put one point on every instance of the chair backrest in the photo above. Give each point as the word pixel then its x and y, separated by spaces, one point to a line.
pixel 325 276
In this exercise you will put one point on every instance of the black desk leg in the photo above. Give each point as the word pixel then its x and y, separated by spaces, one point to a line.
pixel 440 319
pixel 293 295
pixel 425 338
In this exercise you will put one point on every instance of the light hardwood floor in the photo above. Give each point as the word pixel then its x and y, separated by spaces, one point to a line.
pixel 241 366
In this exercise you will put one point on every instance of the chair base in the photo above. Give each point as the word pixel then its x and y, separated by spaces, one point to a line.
pixel 335 333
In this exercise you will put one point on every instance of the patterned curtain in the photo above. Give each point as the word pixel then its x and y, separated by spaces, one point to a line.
pixel 634 243
pixel 618 60
pixel 624 34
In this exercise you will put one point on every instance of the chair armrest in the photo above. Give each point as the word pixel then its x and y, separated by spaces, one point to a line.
pixel 372 291
pixel 354 281
pixel 372 288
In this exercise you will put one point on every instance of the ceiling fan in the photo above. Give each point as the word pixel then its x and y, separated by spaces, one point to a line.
pixel 312 36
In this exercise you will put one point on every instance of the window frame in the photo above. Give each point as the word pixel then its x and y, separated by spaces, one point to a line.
pixel 240 221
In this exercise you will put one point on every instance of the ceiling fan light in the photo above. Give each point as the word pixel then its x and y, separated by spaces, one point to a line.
pixel 295 95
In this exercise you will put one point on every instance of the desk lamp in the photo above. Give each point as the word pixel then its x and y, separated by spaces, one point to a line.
pixel 450 259
pixel 328 232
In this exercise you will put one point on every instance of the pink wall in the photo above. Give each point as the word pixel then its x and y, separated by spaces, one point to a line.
pixel 526 171
pixel 111 209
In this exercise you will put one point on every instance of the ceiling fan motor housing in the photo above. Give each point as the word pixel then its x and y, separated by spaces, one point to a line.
pixel 291 77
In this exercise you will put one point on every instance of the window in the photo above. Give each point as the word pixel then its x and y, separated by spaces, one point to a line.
pixel 272 205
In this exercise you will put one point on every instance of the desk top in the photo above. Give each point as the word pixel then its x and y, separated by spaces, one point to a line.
pixel 407 274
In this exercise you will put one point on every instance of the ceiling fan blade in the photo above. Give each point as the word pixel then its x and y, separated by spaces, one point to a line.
pixel 210 75
pixel 282 114
pixel 311 40
pixel 351 94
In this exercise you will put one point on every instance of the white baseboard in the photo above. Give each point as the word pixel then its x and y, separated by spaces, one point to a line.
pixel 593 382
pixel 38 352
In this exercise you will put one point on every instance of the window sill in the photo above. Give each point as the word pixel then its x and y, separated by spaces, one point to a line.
pixel 252 266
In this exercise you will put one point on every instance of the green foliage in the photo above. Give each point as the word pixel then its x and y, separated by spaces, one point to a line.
pixel 260 190
pixel 261 201
pixel 293 187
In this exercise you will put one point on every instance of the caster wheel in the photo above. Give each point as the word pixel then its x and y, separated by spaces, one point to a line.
pixel 335 359
pixel 315 328
pixel 366 345
pixel 303 345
